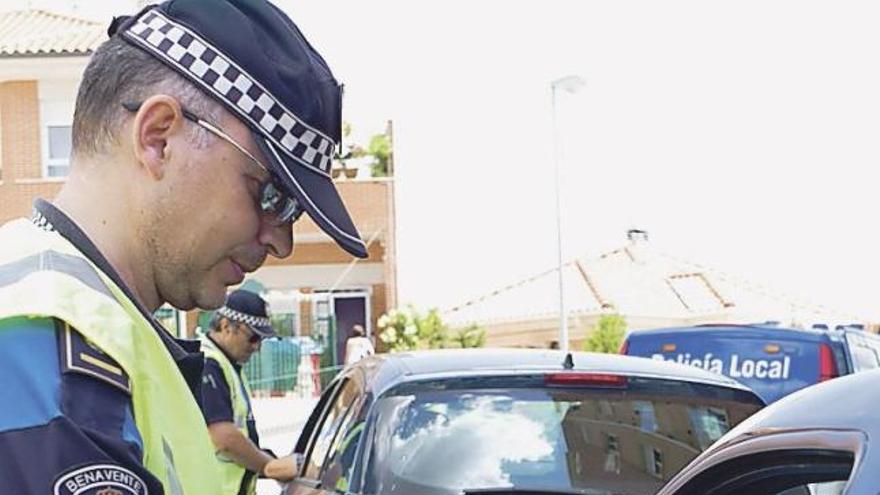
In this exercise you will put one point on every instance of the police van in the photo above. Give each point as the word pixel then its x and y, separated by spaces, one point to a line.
pixel 771 360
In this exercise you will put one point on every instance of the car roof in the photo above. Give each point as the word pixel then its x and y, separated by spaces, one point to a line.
pixel 848 402
pixel 387 370
pixel 734 331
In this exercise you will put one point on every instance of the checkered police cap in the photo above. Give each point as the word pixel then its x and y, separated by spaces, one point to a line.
pixel 251 57
pixel 246 307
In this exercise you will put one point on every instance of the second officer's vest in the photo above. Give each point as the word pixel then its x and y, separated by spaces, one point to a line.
pixel 44 275
pixel 240 393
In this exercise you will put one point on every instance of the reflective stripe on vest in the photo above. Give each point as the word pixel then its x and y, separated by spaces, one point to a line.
pixel 43 275
pixel 233 473
pixel 342 484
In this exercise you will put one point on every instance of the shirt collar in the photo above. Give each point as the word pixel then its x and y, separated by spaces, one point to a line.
pixel 219 347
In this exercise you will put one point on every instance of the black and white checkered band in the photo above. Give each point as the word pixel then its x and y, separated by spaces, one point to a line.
pixel 41 222
pixel 254 321
pixel 217 73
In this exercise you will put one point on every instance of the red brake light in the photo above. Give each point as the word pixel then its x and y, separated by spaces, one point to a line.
pixel 575 379
pixel 827 367
pixel 624 347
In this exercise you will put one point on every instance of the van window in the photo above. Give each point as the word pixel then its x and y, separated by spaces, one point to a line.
pixel 864 349
pixel 865 358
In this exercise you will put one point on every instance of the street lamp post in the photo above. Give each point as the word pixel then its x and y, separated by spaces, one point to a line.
pixel 569 84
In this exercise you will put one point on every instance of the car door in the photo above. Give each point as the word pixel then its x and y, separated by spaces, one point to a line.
pixel 324 435
pixel 809 462
pixel 782 472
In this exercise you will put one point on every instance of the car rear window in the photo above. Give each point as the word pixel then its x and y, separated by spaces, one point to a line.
pixel 630 439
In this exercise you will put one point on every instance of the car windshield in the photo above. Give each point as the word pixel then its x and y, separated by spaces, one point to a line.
pixel 582 440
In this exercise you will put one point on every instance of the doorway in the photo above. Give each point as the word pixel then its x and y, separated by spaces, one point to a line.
pixel 350 309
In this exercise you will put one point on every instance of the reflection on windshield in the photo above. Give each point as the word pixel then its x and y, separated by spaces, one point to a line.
pixel 442 442
pixel 472 436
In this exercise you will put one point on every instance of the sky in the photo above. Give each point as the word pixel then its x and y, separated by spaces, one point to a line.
pixel 740 135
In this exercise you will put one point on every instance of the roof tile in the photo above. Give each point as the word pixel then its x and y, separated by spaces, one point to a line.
pixel 42 33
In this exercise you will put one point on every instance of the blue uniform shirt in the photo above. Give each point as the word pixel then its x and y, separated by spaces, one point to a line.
pixel 65 406
pixel 57 417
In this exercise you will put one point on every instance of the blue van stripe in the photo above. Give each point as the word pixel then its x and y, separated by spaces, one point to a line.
pixel 29 374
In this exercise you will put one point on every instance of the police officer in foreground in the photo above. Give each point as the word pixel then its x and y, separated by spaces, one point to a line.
pixel 202 130
pixel 236 333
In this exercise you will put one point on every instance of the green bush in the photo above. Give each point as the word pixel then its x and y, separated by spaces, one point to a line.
pixel 607 335
pixel 405 329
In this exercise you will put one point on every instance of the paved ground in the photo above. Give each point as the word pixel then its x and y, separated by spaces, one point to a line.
pixel 279 421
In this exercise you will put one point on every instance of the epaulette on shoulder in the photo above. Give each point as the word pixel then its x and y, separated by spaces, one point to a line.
pixel 78 355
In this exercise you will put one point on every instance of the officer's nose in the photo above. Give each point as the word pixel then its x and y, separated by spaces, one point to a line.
pixel 278 239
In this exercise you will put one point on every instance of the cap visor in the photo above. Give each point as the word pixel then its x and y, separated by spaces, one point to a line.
pixel 317 194
pixel 265 332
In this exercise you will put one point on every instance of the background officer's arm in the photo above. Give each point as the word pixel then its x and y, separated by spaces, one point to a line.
pixel 217 409
pixel 65 411
pixel 229 441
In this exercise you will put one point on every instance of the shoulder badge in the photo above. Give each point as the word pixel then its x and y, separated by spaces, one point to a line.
pixel 78 355
pixel 99 479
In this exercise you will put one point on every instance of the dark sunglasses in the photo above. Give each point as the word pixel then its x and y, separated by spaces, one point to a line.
pixel 273 202
pixel 254 337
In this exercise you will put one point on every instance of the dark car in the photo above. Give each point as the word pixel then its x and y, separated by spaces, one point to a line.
pixel 771 360
pixel 822 440
pixel 491 421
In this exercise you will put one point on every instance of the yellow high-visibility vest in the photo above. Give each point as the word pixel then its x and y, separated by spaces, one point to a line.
pixel 233 473
pixel 47 276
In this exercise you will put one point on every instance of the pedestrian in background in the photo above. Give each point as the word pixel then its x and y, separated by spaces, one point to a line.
pixel 357 346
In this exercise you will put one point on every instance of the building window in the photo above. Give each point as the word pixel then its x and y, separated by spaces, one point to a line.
pixel 709 424
pixel 653 461
pixel 612 454
pixel 645 412
pixel 58 150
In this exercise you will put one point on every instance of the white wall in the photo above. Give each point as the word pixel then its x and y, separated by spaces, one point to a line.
pixel 319 276
pixel 56 98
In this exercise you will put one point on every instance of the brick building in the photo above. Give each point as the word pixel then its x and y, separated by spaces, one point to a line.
pixel 42 56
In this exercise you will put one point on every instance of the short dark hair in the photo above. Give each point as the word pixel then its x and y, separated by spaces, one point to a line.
pixel 120 72
pixel 216 321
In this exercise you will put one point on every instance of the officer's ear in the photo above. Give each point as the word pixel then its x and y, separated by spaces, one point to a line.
pixel 156 122
pixel 224 325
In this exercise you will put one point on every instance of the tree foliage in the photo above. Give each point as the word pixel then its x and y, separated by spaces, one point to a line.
pixel 405 329
pixel 607 335
pixel 472 336
pixel 378 151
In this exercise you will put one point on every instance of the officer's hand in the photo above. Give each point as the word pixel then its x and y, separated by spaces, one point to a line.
pixel 282 469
